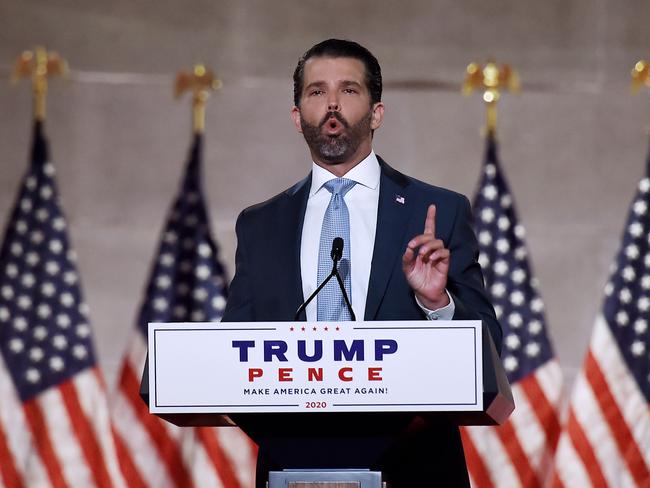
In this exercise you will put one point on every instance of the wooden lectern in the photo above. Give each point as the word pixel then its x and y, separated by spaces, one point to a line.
pixel 315 380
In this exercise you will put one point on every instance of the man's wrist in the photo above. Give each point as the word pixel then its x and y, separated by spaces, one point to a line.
pixel 445 313
pixel 435 304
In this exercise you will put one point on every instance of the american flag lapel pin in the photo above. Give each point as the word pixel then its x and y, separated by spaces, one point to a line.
pixel 400 199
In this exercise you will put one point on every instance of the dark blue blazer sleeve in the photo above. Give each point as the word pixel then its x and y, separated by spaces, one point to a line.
pixel 239 307
pixel 465 277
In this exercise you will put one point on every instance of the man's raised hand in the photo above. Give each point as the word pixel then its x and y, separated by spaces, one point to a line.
pixel 426 265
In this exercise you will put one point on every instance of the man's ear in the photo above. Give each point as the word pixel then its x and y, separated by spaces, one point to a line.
pixel 377 115
pixel 295 116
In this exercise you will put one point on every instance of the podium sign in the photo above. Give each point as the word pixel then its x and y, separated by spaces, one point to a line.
pixel 283 367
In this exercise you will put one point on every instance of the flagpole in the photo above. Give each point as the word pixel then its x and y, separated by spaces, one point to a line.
pixel 39 65
pixel 492 79
pixel 200 82
pixel 640 75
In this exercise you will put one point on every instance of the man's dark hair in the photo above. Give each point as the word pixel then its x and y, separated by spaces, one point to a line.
pixel 338 48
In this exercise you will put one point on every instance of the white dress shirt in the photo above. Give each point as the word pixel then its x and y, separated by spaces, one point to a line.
pixel 362 202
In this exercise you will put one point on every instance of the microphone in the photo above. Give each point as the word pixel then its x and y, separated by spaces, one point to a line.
pixel 336 254
pixel 337 249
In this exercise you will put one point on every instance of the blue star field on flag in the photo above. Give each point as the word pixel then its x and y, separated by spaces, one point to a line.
pixel 507 272
pixel 187 283
pixel 627 303
pixel 45 337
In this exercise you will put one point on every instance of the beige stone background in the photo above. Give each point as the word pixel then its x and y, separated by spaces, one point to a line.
pixel 573 144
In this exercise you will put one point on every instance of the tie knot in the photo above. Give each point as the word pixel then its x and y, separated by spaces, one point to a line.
pixel 339 186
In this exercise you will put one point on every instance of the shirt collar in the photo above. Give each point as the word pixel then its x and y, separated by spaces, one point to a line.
pixel 366 173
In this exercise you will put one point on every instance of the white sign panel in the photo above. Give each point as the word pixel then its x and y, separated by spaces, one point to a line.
pixel 315 366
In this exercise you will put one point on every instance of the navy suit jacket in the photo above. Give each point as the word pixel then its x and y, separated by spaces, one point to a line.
pixel 267 286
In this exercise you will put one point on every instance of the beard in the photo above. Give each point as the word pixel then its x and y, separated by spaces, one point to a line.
pixel 340 148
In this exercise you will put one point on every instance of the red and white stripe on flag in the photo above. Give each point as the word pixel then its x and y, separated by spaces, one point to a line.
pixel 163 455
pixel 606 440
pixel 520 452
pixel 60 438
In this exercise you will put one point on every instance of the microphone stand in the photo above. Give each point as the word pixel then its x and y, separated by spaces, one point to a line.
pixel 333 273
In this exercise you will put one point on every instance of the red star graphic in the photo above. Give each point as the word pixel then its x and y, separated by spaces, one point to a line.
pixel 326 329
pixel 291 329
pixel 303 329
pixel 338 328
pixel 315 328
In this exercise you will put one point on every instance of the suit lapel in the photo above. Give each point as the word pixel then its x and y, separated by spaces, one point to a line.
pixel 393 216
pixel 295 216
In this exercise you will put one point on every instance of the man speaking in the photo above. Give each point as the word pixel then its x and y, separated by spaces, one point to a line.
pixel 409 253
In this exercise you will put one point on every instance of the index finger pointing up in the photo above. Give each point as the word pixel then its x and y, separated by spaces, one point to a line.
pixel 430 221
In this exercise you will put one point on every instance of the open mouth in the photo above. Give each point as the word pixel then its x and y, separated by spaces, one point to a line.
pixel 333 127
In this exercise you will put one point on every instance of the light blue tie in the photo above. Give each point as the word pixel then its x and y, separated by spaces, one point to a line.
pixel 336 223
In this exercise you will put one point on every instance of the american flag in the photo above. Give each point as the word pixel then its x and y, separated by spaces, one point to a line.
pixel 187 284
pixel 54 421
pixel 606 439
pixel 520 452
